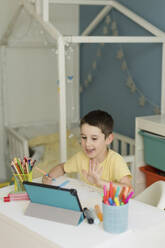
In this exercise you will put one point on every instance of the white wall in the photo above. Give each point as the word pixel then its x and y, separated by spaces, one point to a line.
pixel 31 88
pixel 7 8
pixel 30 74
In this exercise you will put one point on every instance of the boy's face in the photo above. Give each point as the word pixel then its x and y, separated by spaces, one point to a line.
pixel 93 142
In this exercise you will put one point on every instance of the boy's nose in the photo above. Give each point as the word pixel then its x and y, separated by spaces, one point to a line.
pixel 88 142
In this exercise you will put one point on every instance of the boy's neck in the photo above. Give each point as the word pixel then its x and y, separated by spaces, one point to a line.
pixel 102 158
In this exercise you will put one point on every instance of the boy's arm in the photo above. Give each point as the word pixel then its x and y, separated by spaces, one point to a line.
pixel 57 171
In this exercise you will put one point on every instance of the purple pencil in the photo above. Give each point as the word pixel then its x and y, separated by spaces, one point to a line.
pixel 129 196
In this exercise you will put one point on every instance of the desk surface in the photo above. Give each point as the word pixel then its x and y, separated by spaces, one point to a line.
pixel 146 226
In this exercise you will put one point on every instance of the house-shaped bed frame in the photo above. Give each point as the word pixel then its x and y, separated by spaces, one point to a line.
pixel 39 9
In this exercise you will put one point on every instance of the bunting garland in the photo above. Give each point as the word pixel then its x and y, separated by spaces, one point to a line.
pixel 110 28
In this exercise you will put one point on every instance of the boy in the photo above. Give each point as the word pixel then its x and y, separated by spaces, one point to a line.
pixel 96 163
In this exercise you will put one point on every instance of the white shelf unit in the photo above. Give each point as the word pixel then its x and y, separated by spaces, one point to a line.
pixel 154 124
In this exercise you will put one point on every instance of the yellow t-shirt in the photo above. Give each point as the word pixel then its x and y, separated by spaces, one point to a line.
pixel 114 166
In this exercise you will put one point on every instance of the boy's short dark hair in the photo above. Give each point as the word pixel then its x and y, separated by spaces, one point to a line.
pixel 100 119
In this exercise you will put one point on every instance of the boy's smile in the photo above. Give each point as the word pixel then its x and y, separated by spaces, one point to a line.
pixel 93 142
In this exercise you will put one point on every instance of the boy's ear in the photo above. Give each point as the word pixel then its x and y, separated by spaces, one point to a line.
pixel 109 139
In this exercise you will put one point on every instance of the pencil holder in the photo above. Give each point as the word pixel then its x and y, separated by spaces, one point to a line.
pixel 115 218
pixel 18 181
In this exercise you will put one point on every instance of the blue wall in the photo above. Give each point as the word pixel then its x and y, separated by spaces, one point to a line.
pixel 108 90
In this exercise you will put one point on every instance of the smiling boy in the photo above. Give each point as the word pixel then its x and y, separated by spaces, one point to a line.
pixel 96 163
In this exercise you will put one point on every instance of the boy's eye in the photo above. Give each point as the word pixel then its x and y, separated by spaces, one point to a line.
pixel 93 138
pixel 83 137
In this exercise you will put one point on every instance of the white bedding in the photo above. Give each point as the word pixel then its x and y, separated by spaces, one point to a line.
pixel 44 143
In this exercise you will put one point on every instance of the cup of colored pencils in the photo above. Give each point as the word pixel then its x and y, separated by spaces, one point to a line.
pixel 22 171
pixel 115 208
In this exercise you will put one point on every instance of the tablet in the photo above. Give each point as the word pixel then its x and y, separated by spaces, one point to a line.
pixel 53 203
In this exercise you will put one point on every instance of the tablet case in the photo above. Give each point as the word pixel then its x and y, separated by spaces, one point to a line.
pixel 53 203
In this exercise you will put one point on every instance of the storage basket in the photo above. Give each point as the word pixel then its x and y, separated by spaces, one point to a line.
pixel 154 150
pixel 152 174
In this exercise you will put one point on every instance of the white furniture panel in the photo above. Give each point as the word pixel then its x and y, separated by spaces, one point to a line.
pixel 154 124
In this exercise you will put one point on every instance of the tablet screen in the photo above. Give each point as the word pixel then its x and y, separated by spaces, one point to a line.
pixel 53 196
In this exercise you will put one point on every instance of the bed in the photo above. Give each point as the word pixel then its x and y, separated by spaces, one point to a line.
pixel 41 142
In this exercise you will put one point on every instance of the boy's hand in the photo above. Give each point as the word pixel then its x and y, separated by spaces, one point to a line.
pixel 94 172
pixel 46 179
pixel 56 171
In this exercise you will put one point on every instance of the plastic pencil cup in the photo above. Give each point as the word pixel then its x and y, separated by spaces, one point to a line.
pixel 115 218
pixel 18 181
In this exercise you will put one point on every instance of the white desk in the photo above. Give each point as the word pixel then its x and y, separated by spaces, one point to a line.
pixel 146 228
